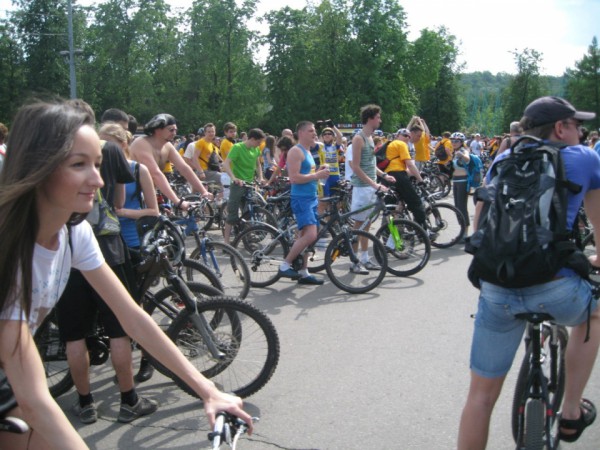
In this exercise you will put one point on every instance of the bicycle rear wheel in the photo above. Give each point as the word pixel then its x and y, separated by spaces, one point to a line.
pixel 535 419
pixel 54 356
pixel 264 251
pixel 413 251
pixel 246 337
pixel 228 265
pixel 340 258
pixel 447 222
pixel 554 371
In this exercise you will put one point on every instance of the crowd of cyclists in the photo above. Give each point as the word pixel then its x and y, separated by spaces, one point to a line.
pixel 128 167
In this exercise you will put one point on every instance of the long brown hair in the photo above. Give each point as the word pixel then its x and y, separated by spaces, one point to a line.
pixel 40 140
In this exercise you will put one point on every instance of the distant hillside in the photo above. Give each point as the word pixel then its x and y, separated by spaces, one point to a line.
pixel 482 94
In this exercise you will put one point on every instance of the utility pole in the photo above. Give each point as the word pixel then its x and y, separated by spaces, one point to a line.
pixel 72 80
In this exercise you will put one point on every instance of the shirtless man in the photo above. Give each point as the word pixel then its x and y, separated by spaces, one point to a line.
pixel 155 149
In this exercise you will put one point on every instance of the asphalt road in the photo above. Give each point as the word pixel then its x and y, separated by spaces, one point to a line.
pixel 383 370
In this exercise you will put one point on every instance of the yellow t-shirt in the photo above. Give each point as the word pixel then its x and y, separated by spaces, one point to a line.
pixel 206 148
pixel 397 152
pixel 168 167
pixel 226 145
pixel 448 145
pixel 422 148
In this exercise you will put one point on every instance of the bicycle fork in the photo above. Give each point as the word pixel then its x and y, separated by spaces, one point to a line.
pixel 199 321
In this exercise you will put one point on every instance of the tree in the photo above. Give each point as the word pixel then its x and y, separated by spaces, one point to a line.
pixel 12 82
pixel 583 82
pixel 222 82
pixel 525 87
pixel 433 76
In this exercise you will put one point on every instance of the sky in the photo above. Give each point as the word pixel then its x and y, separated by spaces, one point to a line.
pixel 488 31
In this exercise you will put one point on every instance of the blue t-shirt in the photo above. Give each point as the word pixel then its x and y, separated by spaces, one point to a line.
pixel 306 189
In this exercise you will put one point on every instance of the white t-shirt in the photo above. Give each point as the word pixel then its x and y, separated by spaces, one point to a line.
pixel 189 151
pixel 347 167
pixel 51 269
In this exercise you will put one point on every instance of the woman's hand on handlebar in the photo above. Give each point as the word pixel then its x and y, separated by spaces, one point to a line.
pixel 220 401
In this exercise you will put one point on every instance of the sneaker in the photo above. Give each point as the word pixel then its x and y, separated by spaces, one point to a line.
pixel 143 407
pixel 289 273
pixel 358 269
pixel 370 265
pixel 432 235
pixel 88 414
pixel 145 372
pixel 311 279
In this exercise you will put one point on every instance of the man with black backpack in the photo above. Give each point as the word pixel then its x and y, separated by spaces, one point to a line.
pixel 517 281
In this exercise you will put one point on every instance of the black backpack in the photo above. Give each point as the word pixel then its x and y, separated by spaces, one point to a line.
pixel 381 158
pixel 522 237
pixel 440 151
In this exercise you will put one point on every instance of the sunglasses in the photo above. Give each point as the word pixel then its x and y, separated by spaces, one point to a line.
pixel 327 134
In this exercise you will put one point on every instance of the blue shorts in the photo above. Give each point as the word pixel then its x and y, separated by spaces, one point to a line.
pixel 330 183
pixel 305 211
pixel 498 334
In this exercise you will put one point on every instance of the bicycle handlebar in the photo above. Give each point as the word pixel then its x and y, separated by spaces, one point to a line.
pixel 228 428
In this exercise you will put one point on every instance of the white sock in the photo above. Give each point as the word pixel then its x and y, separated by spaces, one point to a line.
pixel 284 266
pixel 303 272
pixel 364 257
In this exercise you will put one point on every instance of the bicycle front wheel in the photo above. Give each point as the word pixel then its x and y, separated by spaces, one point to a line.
pixel 341 256
pixel 553 366
pixel 264 250
pixel 195 271
pixel 411 254
pixel 447 222
pixel 54 356
pixel 228 265
pixel 246 338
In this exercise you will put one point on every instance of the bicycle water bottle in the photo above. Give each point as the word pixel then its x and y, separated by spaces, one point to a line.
pixel 394 240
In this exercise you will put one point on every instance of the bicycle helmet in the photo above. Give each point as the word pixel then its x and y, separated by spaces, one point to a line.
pixel 457 135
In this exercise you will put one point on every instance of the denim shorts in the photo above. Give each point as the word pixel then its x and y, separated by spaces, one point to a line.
pixel 498 333
pixel 305 211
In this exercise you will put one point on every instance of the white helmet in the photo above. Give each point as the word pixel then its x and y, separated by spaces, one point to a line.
pixel 458 135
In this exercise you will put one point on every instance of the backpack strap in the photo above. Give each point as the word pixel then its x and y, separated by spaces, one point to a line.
pixel 138 186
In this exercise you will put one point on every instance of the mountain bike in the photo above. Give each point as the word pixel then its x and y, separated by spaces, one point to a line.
pixel 265 247
pixel 226 339
pixel 224 260
pixel 540 384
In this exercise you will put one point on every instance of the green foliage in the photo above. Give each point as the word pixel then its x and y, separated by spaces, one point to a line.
pixel 323 62
pixel 583 83
pixel 525 87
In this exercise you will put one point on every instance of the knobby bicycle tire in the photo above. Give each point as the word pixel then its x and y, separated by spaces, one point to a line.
pixel 245 335
pixel 535 419
pixel 555 392
pixel 414 251
pixel 263 250
pixel 165 305
pixel 195 271
pixel 54 357
pixel 447 222
pixel 338 262
pixel 230 268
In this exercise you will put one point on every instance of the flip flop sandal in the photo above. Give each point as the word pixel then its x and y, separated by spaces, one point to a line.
pixel 587 417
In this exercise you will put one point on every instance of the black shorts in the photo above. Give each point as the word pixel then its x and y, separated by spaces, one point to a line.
pixel 80 306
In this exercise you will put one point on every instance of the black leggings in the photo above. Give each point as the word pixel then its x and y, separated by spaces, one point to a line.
pixel 407 192
pixel 461 196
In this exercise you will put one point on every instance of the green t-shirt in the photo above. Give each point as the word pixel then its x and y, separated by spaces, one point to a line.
pixel 243 161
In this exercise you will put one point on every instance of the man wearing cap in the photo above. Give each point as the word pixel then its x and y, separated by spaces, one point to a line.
pixel 568 298
pixel 401 168
pixel 328 154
